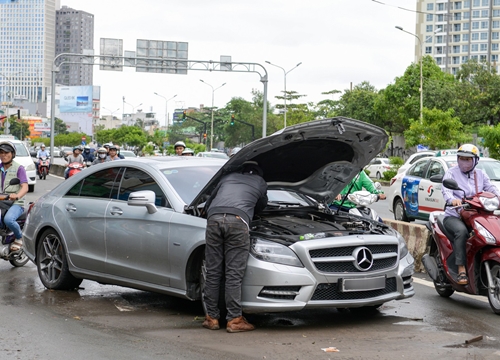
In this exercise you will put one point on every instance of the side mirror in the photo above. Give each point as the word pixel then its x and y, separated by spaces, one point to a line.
pixel 378 186
pixel 15 181
pixel 436 178
pixel 143 198
pixel 451 184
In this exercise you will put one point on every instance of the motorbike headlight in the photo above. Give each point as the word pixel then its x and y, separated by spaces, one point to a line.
pixel 273 252
pixel 490 204
pixel 30 167
pixel 362 198
pixel 490 239
pixel 403 249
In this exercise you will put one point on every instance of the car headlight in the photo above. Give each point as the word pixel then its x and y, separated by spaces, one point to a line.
pixel 490 204
pixel 403 249
pixel 490 239
pixel 30 167
pixel 273 252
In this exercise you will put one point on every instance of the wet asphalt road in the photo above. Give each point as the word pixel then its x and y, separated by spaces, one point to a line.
pixel 111 322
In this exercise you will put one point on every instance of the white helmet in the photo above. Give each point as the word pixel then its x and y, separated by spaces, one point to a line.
pixel 180 143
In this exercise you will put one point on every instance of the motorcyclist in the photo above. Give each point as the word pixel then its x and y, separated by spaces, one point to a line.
pixel 113 153
pixel 472 181
pixel 88 156
pixel 358 183
pixel 75 157
pixel 179 147
pixel 118 152
pixel 41 153
pixel 102 156
pixel 188 152
pixel 10 170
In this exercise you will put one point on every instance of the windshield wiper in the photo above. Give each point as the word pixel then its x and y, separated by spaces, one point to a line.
pixel 286 203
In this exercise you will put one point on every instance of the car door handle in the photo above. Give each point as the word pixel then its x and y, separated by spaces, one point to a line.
pixel 70 208
pixel 421 188
pixel 116 211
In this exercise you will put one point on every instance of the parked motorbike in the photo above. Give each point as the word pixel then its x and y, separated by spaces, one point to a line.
pixel 43 167
pixel 16 258
pixel 482 248
pixel 74 168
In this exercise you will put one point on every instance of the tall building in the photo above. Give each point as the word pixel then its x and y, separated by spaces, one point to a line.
pixel 74 34
pixel 27 48
pixel 453 32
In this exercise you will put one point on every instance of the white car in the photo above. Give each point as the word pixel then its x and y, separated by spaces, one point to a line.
pixel 413 158
pixel 378 166
pixel 413 196
pixel 23 157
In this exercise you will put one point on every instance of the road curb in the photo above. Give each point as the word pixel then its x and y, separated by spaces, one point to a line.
pixel 415 235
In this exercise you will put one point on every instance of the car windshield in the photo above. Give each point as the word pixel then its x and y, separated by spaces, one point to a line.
pixel 189 181
pixel 491 168
pixel 21 150
pixel 218 155
pixel 285 198
pixel 385 161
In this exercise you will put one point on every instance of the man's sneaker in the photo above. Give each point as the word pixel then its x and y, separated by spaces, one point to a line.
pixel 211 323
pixel 239 324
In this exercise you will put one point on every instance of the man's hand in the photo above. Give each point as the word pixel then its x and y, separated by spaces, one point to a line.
pixel 338 197
pixel 382 197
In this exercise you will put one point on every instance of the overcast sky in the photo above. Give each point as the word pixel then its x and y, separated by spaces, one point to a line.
pixel 337 41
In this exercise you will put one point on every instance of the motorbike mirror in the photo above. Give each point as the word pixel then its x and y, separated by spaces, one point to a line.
pixel 378 185
pixel 436 178
pixel 15 181
pixel 451 184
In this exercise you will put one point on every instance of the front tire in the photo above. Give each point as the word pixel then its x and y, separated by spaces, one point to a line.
pixel 399 211
pixel 494 298
pixel 52 263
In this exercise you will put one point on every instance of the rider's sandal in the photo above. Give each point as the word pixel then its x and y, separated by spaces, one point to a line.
pixel 16 245
pixel 462 278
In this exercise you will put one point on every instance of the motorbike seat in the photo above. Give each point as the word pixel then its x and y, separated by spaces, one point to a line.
pixel 440 223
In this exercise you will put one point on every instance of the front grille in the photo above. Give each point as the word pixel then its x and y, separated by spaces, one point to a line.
pixel 347 266
pixel 325 292
pixel 275 292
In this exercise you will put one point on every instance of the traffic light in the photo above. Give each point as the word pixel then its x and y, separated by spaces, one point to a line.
pixel 184 115
pixel 232 120
pixel 205 136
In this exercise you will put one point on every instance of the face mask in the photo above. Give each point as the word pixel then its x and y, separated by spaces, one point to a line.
pixel 465 165
pixel 102 156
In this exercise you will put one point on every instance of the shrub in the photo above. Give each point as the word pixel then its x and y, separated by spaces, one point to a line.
pixel 389 174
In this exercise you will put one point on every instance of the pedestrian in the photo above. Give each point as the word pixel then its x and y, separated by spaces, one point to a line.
pixel 230 210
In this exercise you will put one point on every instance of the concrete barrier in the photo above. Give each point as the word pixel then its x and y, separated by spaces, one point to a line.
pixel 416 236
pixel 57 170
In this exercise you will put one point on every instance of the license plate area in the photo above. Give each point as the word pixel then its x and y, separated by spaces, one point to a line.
pixel 362 284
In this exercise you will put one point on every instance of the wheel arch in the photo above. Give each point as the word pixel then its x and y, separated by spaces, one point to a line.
pixel 39 237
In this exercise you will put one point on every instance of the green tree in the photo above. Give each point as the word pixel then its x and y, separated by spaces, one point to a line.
pixel 359 103
pixel 60 127
pixel 491 139
pixel 439 130
pixel 19 127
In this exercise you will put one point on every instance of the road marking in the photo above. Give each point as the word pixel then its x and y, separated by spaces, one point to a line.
pixel 431 285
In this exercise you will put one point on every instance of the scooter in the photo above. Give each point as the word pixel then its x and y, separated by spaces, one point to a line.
pixel 482 249
pixel 74 168
pixel 43 167
pixel 363 199
pixel 16 258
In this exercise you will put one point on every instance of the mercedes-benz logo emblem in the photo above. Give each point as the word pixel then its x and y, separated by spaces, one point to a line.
pixel 363 258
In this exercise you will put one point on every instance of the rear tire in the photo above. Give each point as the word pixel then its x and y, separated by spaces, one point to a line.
pixel 399 211
pixel 494 298
pixel 443 291
pixel 31 188
pixel 378 176
pixel 52 263
pixel 20 260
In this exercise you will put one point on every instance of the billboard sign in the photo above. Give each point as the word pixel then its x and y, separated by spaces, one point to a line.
pixel 75 99
pixel 41 126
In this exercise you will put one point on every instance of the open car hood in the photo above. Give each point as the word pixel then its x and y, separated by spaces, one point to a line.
pixel 316 158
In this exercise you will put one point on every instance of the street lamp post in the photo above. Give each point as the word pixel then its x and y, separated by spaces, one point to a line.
pixel 166 108
pixel 212 122
pixel 133 107
pixel 421 77
pixel 285 73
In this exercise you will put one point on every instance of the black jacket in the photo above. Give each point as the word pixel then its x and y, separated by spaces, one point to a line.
pixel 238 194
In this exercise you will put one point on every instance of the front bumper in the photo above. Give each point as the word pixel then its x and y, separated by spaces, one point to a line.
pixel 270 287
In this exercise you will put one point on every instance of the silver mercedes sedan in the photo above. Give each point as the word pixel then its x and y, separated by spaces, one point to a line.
pixel 140 224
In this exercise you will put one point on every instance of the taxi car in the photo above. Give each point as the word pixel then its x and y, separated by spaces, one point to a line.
pixel 413 196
